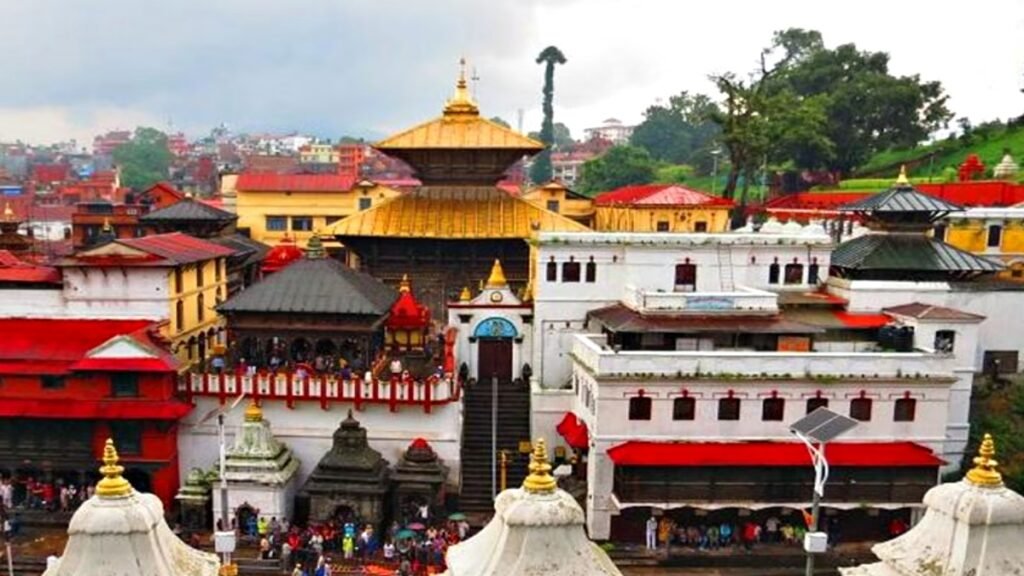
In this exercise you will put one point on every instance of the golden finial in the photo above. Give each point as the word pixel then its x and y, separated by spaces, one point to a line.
pixel 984 472
pixel 497 277
pixel 8 212
pixel 113 485
pixel 465 295
pixel 106 225
pixel 902 179
pixel 540 480
pixel 403 286
pixel 461 102
pixel 254 413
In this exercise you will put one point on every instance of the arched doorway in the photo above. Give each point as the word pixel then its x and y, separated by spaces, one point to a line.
pixel 202 347
pixel 300 350
pixel 325 347
pixel 245 518
pixel 494 349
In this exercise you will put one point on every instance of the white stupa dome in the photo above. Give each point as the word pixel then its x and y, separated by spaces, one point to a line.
pixel 771 226
pixel 1006 169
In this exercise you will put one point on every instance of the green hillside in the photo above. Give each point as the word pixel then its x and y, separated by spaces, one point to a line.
pixel 987 141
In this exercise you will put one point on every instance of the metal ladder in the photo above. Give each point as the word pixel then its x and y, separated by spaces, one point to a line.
pixel 725 271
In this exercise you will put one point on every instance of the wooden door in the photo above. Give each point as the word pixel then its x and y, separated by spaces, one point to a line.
pixel 495 359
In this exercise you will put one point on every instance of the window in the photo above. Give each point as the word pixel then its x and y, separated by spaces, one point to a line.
pixel 570 271
pixel 552 272
pixel 277 224
pixel 945 340
pixel 686 277
pixel 127 437
pixel 302 223
pixel 200 307
pixel 904 410
pixel 860 409
pixel 179 282
pixel 701 226
pixel 662 226
pixel 639 408
pixel 729 409
pixel 553 205
pixel 812 273
pixel 328 220
pixel 199 275
pixel 773 409
pixel 684 408
pixel 52 382
pixel 995 236
pixel 217 274
pixel 179 315
pixel 939 232
pixel 365 203
pixel 124 385
pixel 815 403
pixel 773 273
pixel 794 273
pixel 591 272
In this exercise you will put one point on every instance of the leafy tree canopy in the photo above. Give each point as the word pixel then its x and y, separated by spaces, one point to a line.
pixel 562 136
pixel 674 132
pixel 620 166
pixel 145 160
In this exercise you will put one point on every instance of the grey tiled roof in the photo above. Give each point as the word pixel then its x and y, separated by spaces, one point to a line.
pixel 189 209
pixel 319 286
pixel 901 198
pixel 913 252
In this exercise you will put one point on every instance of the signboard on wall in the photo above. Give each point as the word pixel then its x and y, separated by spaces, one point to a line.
pixel 794 344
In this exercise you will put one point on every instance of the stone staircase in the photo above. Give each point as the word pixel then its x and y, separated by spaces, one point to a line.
pixel 513 427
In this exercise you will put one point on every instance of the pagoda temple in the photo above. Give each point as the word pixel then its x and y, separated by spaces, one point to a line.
pixel 408 323
pixel 458 221
pixel 260 470
pixel 897 246
pixel 121 532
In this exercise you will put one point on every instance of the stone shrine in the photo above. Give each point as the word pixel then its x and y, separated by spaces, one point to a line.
pixel 193 499
pixel 349 483
pixel 418 478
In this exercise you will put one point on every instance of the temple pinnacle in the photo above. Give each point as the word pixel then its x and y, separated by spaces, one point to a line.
pixel 113 485
pixel 540 480
pixel 984 472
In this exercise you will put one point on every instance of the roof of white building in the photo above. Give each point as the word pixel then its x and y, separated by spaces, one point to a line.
pixel 815 236
pixel 930 312
pixel 121 532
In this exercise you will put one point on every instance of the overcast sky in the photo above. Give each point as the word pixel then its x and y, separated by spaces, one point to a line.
pixel 72 68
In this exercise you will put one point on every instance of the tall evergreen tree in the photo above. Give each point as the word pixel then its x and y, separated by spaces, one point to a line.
pixel 541 169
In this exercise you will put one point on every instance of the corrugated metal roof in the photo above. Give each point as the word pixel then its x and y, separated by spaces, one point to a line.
pixel 619 318
pixel 189 209
pixel 912 252
pixel 659 195
pixel 455 212
pixel 268 182
pixel 901 198
pixel 318 286
pixel 930 312
pixel 459 132
pixel 177 247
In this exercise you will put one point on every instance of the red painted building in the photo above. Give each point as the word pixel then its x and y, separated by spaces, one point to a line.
pixel 68 385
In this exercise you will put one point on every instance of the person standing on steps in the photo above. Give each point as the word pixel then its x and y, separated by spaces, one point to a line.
pixel 652 532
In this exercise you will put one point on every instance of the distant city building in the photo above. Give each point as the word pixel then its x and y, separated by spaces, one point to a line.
pixel 177 144
pixel 611 129
pixel 318 154
pixel 105 144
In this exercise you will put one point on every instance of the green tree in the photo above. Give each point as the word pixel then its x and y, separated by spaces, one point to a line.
pixel 540 171
pixel 620 166
pixel 145 160
pixel 562 136
pixel 674 132
pixel 500 121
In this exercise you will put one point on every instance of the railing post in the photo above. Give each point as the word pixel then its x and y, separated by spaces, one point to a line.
pixel 289 392
pixel 392 395
pixel 427 387
pixel 323 392
pixel 358 396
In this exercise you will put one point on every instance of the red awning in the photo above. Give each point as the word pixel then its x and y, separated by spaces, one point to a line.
pixel 123 365
pixel 855 320
pixel 574 431
pixel 94 409
pixel 839 454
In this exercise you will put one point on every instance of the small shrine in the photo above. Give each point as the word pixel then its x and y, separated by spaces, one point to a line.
pixel 351 481
pixel 417 479
pixel 971 169
pixel 1007 169
pixel 971 527
pixel 408 324
pixel 260 471
pixel 281 255
pixel 10 239
pixel 193 500
pixel 121 532
pixel 536 529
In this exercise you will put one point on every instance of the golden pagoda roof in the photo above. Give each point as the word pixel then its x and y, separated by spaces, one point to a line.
pixel 460 126
pixel 455 212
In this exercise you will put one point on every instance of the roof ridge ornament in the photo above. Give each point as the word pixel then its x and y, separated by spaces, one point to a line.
pixel 540 480
pixel 497 278
pixel 254 413
pixel 8 212
pixel 404 285
pixel 984 472
pixel 112 485
pixel 902 180
pixel 461 103
pixel 314 247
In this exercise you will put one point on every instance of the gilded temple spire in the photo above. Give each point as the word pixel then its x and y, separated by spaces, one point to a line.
pixel 461 103
pixel 254 413
pixel 404 285
pixel 902 179
pixel 984 472
pixel 497 278
pixel 113 485
pixel 8 212
pixel 540 480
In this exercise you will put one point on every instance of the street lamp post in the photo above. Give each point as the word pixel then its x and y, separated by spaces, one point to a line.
pixel 714 169
pixel 815 430
pixel 223 539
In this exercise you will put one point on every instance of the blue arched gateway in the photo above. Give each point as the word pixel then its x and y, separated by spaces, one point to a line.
pixel 494 337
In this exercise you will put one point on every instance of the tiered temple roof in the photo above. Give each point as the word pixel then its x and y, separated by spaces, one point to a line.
pixel 257 457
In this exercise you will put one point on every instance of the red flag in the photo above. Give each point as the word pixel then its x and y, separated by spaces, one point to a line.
pixel 808 519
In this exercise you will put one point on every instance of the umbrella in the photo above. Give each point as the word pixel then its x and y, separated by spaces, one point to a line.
pixel 457 516
pixel 416 526
pixel 403 534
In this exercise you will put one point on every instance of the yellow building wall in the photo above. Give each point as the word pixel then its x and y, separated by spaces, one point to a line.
pixel 319 154
pixel 646 219
pixel 579 209
pixel 253 208
pixel 184 330
pixel 971 235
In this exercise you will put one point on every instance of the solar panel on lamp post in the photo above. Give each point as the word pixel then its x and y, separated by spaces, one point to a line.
pixel 819 427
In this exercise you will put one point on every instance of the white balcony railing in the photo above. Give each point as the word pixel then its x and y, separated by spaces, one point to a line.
pixel 743 299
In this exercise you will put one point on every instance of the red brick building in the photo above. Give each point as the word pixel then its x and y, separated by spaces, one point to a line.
pixel 70 384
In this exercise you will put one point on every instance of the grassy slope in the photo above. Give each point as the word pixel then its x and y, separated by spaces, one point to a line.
pixel 950 153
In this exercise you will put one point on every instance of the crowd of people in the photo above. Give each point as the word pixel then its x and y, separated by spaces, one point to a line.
pixel 726 534
pixel 29 493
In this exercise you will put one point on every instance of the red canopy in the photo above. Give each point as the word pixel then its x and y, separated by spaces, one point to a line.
pixel 574 431
pixel 94 409
pixel 839 454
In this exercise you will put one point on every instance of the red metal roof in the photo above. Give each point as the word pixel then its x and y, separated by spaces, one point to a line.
pixel 269 182
pixel 51 346
pixel 49 173
pixel 763 453
pixel 281 255
pixel 659 195
pixel 177 247
pixel 984 193
pixel 574 431
pixel 121 409
pixel 407 313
